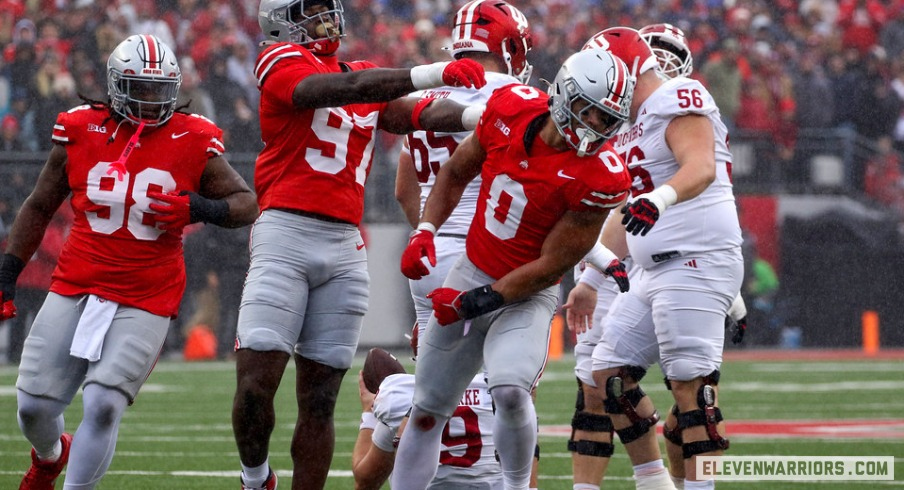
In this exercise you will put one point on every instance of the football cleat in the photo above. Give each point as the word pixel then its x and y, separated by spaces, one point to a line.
pixel 43 474
pixel 269 483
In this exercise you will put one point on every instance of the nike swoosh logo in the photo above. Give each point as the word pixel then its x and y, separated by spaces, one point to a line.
pixel 562 174
pixel 359 247
pixel 175 136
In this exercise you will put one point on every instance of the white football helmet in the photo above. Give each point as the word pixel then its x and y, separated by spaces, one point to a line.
pixel 143 80
pixel 494 26
pixel 670 47
pixel 285 21
pixel 603 81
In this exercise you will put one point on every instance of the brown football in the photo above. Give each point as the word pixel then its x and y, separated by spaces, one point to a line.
pixel 377 366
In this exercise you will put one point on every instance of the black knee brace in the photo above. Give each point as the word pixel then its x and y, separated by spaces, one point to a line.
pixel 710 379
pixel 625 402
pixel 591 423
pixel 708 416
pixel 673 434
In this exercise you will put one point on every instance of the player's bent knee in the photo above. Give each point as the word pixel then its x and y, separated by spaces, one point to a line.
pixel 625 402
pixel 593 423
pixel 708 416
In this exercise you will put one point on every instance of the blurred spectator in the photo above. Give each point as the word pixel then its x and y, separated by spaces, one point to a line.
pixel 891 38
pixel 191 91
pixel 884 180
pixel 723 78
pixel 860 22
pixel 234 113
pixel 9 134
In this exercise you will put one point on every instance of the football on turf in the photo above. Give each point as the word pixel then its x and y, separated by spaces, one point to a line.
pixel 377 366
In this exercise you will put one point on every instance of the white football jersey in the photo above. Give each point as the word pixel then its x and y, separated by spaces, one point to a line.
pixel 467 454
pixel 430 150
pixel 709 221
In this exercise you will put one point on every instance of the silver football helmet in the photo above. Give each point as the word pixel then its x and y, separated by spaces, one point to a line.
pixel 601 80
pixel 143 80
pixel 285 21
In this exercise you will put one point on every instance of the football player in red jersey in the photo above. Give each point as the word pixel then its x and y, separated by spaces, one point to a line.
pixel 548 182
pixel 138 172
pixel 307 288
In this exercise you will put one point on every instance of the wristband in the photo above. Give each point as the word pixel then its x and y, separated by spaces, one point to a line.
pixel 428 76
pixel 202 209
pixel 10 268
pixel 368 421
pixel 425 226
pixel 593 278
pixel 663 196
pixel 471 116
pixel 600 257
pixel 416 113
pixel 480 301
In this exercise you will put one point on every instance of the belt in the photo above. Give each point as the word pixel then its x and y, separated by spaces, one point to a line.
pixel 662 257
pixel 452 235
pixel 317 216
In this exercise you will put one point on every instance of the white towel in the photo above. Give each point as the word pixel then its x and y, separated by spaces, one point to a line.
pixel 92 328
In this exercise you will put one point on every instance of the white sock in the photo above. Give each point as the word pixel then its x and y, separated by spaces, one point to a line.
pixel 699 485
pixel 52 455
pixel 650 468
pixel 255 476
pixel 585 486
pixel 679 482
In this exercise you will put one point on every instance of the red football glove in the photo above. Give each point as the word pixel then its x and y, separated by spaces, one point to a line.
pixel 419 245
pixel 10 268
pixel 616 270
pixel 175 214
pixel 7 309
pixel 446 305
pixel 464 73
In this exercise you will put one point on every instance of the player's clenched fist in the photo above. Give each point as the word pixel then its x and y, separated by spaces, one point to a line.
pixel 419 245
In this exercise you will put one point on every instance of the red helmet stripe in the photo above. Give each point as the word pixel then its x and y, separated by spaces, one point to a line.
pixel 465 19
pixel 620 80
pixel 152 50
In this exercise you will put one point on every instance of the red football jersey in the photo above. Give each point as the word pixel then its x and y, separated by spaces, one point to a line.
pixel 314 160
pixel 114 249
pixel 522 197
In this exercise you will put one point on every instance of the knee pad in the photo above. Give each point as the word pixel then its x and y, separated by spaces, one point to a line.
pixel 591 423
pixel 708 416
pixel 625 402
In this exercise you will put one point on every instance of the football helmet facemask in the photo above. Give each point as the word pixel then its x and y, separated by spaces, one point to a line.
pixel 302 22
pixel 628 45
pixel 670 47
pixel 143 80
pixel 603 83
pixel 494 26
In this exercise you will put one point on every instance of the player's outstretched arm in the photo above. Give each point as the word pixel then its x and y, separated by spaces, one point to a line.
pixel 461 168
pixel 383 84
pixel 408 114
pixel 31 222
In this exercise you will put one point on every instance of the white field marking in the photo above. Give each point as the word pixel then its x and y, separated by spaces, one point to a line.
pixel 836 387
pixel 825 367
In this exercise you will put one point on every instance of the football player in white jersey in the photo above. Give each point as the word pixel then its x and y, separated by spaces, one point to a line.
pixel 496 35
pixel 682 232
pixel 589 302
pixel 467 457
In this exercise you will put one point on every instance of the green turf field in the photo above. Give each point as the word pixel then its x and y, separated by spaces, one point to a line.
pixel 178 433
